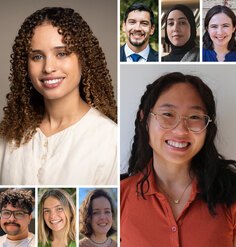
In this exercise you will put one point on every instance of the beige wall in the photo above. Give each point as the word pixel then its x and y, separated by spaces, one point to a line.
pixel 100 15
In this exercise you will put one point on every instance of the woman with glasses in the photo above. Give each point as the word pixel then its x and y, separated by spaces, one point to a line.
pixel 180 190
pixel 57 219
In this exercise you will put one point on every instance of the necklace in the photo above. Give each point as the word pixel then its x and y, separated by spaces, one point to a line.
pixel 97 242
pixel 176 201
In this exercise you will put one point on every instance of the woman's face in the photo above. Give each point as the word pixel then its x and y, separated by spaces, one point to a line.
pixel 220 29
pixel 54 72
pixel 176 146
pixel 178 28
pixel 54 215
pixel 101 216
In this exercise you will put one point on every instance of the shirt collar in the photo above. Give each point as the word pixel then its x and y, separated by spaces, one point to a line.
pixel 144 53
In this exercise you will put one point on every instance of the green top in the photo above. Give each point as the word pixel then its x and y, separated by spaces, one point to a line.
pixel 71 244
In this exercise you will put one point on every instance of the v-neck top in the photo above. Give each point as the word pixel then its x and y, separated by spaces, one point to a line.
pixel 84 153
pixel 150 222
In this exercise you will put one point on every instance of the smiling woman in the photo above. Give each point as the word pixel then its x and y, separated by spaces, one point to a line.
pixel 219 44
pixel 57 217
pixel 61 110
pixel 176 175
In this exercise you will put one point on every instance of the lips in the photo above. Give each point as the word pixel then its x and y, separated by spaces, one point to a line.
pixel 54 222
pixel 178 145
pixel 52 82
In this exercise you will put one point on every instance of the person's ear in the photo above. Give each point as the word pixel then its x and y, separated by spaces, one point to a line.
pixel 123 27
pixel 152 29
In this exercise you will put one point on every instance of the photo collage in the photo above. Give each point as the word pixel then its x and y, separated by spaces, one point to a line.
pixel 117 123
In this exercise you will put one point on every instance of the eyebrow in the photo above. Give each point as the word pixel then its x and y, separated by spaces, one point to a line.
pixel 54 48
pixel 194 107
pixel 97 209
pixel 53 207
pixel 180 18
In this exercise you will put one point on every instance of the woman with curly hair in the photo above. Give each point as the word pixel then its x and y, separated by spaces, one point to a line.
pixel 57 219
pixel 96 220
pixel 61 106
pixel 180 191
pixel 219 44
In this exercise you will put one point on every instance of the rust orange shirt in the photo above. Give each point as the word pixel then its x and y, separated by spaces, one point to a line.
pixel 150 222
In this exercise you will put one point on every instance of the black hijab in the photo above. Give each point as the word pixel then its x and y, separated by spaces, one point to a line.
pixel 179 51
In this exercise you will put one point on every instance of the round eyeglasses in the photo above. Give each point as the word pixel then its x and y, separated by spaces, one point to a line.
pixel 170 120
pixel 18 214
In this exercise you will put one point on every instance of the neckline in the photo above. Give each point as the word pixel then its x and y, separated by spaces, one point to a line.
pixel 85 116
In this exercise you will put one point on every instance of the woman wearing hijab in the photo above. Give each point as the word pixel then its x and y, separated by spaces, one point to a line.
pixel 180 34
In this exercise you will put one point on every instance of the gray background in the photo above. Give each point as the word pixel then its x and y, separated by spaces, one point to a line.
pixel 100 15
pixel 220 78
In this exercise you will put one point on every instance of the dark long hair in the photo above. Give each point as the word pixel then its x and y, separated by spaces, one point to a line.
pixel 215 175
pixel 207 42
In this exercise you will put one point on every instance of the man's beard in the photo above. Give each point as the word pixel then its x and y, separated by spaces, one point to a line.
pixel 137 43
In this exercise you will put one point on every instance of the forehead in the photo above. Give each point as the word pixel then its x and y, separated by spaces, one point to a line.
pixel 10 207
pixel 220 18
pixel 51 202
pixel 176 14
pixel 46 34
pixel 182 96
pixel 101 203
pixel 139 15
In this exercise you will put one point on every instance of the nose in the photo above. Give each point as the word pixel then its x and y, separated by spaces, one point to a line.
pixel 12 218
pixel 181 128
pixel 137 26
pixel 219 30
pixel 49 65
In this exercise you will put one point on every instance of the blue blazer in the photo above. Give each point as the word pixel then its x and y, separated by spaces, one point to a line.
pixel 152 56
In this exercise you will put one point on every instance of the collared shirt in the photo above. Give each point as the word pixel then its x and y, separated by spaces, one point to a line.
pixel 150 222
pixel 144 54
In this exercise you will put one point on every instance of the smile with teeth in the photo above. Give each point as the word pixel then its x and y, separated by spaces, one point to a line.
pixel 53 222
pixel 53 81
pixel 178 144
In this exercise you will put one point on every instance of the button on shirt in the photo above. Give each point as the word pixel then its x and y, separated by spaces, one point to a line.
pixel 144 54
pixel 150 222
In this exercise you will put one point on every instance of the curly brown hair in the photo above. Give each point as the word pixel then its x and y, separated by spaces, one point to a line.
pixel 17 198
pixel 25 106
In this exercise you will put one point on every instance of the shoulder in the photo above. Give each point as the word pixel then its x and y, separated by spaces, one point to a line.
pixel 153 55
pixel 208 55
pixel 192 55
pixel 128 187
pixel 122 54
pixel 231 56
pixel 84 242
pixel 3 238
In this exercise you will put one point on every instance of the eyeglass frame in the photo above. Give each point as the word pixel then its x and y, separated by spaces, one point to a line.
pixel 179 120
pixel 13 212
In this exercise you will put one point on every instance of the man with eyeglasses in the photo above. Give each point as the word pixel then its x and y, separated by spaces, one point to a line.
pixel 16 207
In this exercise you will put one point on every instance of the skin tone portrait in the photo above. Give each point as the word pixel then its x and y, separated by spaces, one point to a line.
pixel 175 173
pixel 61 111
pixel 219 43
pixel 96 220
pixel 57 219
pixel 16 214
pixel 180 35
pixel 138 25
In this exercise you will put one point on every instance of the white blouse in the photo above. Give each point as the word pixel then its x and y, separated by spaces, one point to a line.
pixel 82 154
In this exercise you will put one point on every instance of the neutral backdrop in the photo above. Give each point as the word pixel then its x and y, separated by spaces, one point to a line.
pixel 100 15
pixel 220 78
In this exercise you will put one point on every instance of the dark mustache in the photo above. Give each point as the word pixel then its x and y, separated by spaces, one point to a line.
pixel 11 223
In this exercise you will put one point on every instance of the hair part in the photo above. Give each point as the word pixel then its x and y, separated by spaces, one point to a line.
pixel 86 212
pixel 207 42
pixel 139 7
pixel 215 175
pixel 45 233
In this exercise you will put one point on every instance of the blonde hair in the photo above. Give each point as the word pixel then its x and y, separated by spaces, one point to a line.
pixel 45 233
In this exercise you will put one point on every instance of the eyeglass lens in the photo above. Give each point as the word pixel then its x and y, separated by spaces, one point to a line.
pixel 18 214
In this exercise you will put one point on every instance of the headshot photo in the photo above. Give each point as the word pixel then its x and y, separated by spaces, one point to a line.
pixel 98 217
pixel 180 31
pixel 59 110
pixel 139 31
pixel 57 217
pixel 17 217
pixel 178 160
pixel 219 41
